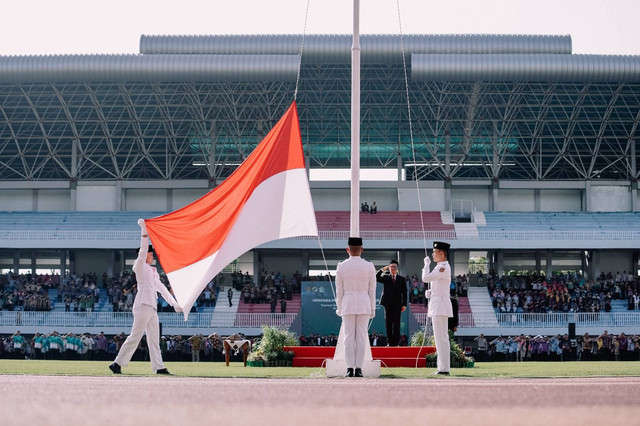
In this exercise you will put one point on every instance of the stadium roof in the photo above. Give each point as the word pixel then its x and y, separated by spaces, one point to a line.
pixel 193 107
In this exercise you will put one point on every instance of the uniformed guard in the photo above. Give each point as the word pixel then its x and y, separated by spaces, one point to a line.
pixel 356 302
pixel 439 303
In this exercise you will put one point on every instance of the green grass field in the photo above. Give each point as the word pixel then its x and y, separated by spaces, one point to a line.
pixel 496 370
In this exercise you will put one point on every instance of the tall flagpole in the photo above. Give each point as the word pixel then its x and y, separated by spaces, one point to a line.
pixel 355 123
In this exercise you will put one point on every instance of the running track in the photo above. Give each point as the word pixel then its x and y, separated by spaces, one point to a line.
pixel 130 400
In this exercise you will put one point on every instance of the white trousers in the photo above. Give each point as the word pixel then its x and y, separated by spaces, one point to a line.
pixel 443 347
pixel 145 319
pixel 356 334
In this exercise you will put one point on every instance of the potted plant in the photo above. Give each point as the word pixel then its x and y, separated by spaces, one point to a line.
pixel 458 358
pixel 269 350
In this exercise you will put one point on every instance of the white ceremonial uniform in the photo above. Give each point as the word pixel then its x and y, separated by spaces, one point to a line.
pixel 356 302
pixel 145 317
pixel 440 309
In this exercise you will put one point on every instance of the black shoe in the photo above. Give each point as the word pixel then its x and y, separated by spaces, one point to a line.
pixel 115 368
pixel 164 371
pixel 442 373
pixel 349 372
pixel 358 373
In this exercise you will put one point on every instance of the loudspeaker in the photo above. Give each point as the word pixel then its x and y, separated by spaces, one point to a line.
pixel 572 330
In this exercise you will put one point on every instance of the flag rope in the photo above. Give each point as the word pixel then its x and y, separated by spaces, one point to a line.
pixel 304 33
pixel 413 153
pixel 413 150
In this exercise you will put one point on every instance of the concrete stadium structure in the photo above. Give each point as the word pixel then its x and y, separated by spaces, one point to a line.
pixel 519 149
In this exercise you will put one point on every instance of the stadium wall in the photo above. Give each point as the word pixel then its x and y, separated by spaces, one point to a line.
pixel 433 199
pixel 561 200
pixel 614 261
pixel 609 198
pixel 389 196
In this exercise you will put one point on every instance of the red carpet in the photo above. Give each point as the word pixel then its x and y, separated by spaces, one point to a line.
pixel 400 356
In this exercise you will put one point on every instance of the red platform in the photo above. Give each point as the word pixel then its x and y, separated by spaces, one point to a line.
pixel 399 356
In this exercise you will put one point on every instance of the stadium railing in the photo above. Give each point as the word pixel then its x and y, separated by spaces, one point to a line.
pixel 550 320
pixel 210 320
pixel 41 234
pixel 125 319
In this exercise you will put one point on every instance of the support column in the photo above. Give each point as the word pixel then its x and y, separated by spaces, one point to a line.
pixel 63 263
pixel 169 200
pixel 72 195
pixel 494 205
pixel 452 262
pixel 257 267
pixel 447 195
pixel 34 200
pixel 305 263
pixel 549 265
pixel 536 200
pixel 447 155
pixel 399 165
pixel 16 261
pixel 500 263
pixel 74 175
pixel 33 261
pixel 491 261
pixel 72 262
pixel 119 196
pixel 595 262
pixel 402 260
pixel 538 262
pixel 586 197
pixel 112 264
pixel 634 181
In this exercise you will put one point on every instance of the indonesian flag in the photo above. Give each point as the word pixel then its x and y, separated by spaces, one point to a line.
pixel 267 198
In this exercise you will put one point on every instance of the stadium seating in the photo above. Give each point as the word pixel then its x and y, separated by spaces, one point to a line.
pixel 556 221
pixel 293 306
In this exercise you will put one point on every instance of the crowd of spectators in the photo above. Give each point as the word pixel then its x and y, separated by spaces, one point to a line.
pixel 605 347
pixel 80 293
pixel 100 347
pixel 459 287
pixel 26 292
pixel 569 292
pixel 273 289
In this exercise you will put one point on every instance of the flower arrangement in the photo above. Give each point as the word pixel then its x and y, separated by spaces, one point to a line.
pixel 269 350
pixel 458 358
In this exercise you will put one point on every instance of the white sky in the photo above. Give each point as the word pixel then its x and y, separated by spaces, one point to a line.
pixel 114 26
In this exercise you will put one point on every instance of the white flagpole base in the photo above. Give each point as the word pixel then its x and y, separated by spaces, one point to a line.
pixel 338 368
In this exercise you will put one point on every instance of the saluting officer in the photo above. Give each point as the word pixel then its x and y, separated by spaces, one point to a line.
pixel 439 303
pixel 356 302
pixel 394 300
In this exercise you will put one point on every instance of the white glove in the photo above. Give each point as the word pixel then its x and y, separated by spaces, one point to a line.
pixel 178 309
pixel 372 315
pixel 427 261
pixel 427 294
pixel 143 225
pixel 338 312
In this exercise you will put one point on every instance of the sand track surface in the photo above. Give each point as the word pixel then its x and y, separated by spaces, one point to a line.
pixel 130 400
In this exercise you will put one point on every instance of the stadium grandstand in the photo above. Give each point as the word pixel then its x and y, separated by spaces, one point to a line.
pixel 523 155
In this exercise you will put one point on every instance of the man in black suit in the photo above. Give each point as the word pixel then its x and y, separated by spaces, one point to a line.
pixel 394 299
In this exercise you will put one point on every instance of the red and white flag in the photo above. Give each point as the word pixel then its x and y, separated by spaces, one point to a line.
pixel 267 198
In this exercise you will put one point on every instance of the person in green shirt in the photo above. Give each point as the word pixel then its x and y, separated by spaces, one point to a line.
pixel 18 344
pixel 36 343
